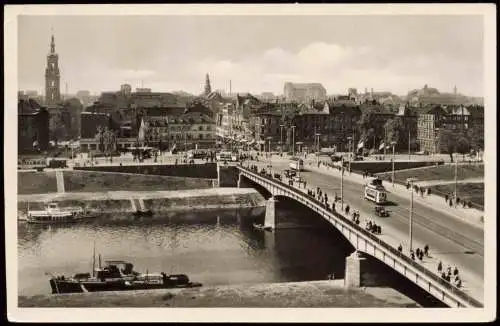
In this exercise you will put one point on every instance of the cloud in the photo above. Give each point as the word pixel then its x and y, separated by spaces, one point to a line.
pixel 339 67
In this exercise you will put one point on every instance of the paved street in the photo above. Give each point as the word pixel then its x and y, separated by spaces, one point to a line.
pixel 453 241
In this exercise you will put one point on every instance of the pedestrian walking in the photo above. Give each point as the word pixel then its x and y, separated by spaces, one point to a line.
pixel 446 197
pixel 440 266
pixel 426 250
pixel 418 252
pixel 412 255
pixel 455 271
pixel 400 248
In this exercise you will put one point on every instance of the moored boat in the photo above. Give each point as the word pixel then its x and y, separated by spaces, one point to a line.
pixel 143 212
pixel 118 276
pixel 51 214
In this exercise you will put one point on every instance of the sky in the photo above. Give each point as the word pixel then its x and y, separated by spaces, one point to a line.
pixel 257 53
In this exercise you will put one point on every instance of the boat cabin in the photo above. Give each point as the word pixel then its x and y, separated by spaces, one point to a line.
pixel 52 207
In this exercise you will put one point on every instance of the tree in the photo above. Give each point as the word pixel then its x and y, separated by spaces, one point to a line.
pixel 476 138
pixel 99 137
pixel 365 125
pixel 463 145
pixel 395 130
pixel 448 141
pixel 57 128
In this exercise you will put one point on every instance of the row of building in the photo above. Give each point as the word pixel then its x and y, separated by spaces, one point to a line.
pixel 170 121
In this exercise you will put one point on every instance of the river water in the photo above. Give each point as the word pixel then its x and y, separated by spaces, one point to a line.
pixel 212 247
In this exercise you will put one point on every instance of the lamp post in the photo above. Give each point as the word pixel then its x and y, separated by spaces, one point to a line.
pixel 281 139
pixel 317 147
pixel 342 184
pixel 350 152
pixel 411 180
pixel 293 140
pixel 409 149
pixel 269 152
pixel 456 191
pixel 393 143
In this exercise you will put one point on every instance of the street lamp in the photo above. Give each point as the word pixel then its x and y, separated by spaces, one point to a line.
pixel 269 151
pixel 293 140
pixel 341 184
pixel 350 152
pixel 456 191
pixel 411 181
pixel 393 143
pixel 317 147
pixel 281 139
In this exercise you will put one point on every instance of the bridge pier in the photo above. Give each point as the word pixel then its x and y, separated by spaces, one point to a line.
pixel 353 270
pixel 239 180
pixel 270 218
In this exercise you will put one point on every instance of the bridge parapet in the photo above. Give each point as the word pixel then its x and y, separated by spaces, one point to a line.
pixel 367 242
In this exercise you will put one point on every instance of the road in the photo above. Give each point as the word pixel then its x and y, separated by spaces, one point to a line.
pixel 451 240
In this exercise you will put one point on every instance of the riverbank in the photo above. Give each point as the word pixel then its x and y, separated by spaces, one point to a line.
pixel 317 294
pixel 98 181
pixel 156 201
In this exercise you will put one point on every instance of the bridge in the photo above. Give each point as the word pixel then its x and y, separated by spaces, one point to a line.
pixel 363 242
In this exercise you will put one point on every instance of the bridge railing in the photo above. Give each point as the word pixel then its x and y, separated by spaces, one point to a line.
pixel 466 297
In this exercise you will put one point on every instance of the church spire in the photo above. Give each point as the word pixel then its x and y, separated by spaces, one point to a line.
pixel 208 88
pixel 52 45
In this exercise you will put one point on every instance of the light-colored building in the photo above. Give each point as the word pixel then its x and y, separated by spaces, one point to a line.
pixel 304 93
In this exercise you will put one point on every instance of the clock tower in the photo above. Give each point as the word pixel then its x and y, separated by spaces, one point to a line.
pixel 52 77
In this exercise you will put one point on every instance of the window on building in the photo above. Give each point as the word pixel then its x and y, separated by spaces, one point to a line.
pixel 200 136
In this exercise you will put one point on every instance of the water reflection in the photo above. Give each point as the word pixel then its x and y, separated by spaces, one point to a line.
pixel 211 247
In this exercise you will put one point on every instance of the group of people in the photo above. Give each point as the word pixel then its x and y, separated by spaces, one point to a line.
pixel 417 189
pixel 373 227
pixel 355 217
pixel 419 253
pixel 447 276
pixel 449 199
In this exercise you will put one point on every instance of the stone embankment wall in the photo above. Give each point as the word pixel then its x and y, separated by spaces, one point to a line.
pixel 156 201
pixel 207 170
pixel 384 166
pixel 228 175
pixel 94 181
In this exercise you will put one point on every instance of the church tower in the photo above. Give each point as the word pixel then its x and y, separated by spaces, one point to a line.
pixel 52 77
pixel 208 88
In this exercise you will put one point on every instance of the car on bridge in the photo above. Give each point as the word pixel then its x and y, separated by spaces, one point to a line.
pixel 290 173
pixel 381 211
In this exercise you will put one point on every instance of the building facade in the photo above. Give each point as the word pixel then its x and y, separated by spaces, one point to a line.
pixel 90 123
pixel 190 130
pixel 52 76
pixel 33 127
pixel 304 93
pixel 458 119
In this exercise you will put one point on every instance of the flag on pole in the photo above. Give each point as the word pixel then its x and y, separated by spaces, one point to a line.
pixel 382 145
pixel 361 144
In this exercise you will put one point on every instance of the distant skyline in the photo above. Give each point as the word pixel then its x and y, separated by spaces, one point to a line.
pixel 257 53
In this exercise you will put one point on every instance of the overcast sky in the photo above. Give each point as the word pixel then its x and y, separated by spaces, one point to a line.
pixel 258 53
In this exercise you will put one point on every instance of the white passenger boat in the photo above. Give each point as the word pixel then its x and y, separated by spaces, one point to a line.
pixel 53 214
